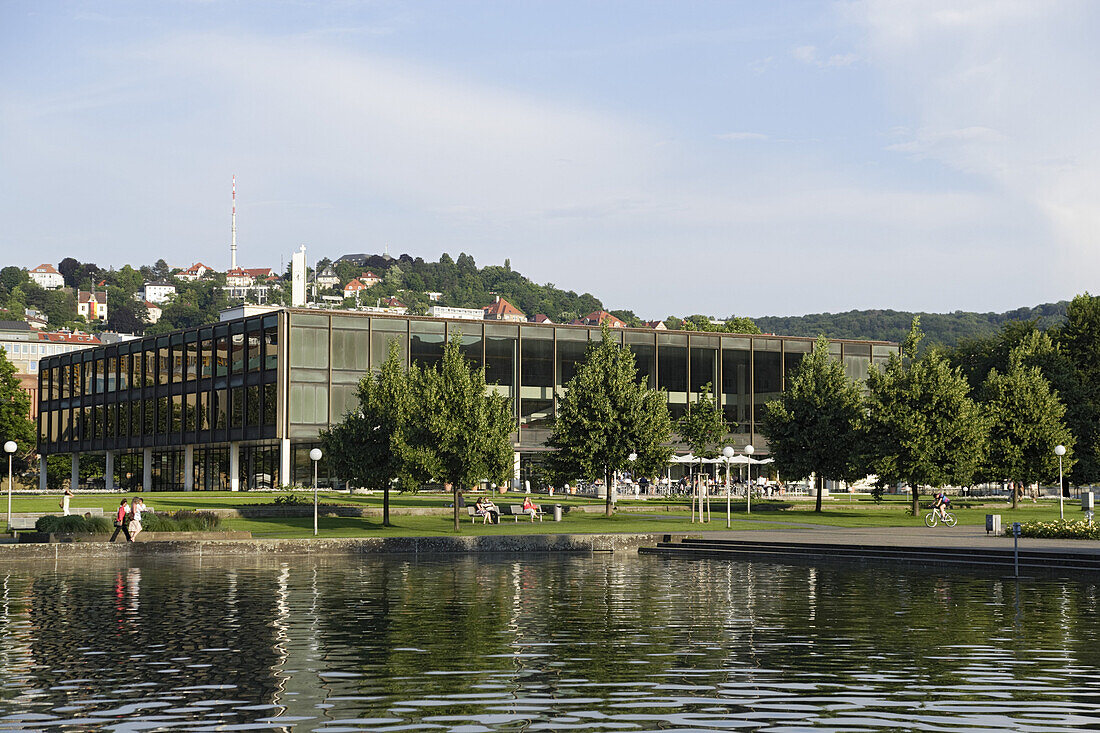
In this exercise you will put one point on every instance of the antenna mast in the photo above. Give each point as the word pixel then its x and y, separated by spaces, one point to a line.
pixel 233 240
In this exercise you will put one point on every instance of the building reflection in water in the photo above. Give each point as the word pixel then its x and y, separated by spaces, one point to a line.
pixel 507 642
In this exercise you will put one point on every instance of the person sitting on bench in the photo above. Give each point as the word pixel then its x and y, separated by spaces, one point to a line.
pixel 529 507
pixel 485 508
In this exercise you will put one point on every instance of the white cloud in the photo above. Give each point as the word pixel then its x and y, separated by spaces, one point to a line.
pixel 805 54
pixel 738 136
pixel 841 60
pixel 1005 92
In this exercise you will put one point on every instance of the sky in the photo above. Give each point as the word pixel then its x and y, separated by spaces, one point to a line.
pixel 725 158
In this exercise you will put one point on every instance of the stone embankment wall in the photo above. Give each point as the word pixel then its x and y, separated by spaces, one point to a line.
pixel 581 543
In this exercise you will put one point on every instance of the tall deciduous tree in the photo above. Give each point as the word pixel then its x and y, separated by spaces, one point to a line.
pixel 923 428
pixel 456 432
pixel 1079 339
pixel 1026 422
pixel 813 428
pixel 607 414
pixel 15 410
pixel 368 447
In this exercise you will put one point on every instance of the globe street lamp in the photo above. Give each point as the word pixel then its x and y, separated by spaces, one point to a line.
pixel 315 455
pixel 727 453
pixel 632 457
pixel 10 447
pixel 748 485
pixel 1059 450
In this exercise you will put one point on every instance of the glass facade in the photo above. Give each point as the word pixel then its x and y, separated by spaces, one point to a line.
pixel 208 385
pixel 227 383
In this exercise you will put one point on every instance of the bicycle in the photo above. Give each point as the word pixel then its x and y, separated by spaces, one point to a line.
pixel 932 518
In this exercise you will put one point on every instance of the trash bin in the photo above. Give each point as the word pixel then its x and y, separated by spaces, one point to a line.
pixel 557 512
pixel 993 523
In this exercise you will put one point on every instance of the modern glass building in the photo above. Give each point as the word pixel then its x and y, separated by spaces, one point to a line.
pixel 239 404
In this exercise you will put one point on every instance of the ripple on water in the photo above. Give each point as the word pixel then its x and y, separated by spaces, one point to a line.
pixel 546 643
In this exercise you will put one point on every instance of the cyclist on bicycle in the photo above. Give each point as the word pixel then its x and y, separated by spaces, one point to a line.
pixel 941 504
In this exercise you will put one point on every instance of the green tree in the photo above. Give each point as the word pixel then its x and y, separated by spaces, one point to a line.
pixel 15 410
pixel 457 432
pixel 368 447
pixel 1079 339
pixel 740 324
pixel 923 428
pixel 1026 421
pixel 607 414
pixel 813 427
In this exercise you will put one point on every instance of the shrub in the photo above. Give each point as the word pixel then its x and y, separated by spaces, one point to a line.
pixel 1073 529
pixel 74 524
pixel 292 500
pixel 181 521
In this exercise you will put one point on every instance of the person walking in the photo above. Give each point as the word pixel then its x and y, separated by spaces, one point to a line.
pixel 121 518
pixel 65 501
pixel 137 508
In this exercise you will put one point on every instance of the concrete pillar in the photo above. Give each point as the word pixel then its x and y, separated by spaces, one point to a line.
pixel 147 469
pixel 188 468
pixel 74 477
pixel 109 470
pixel 41 472
pixel 284 462
pixel 234 466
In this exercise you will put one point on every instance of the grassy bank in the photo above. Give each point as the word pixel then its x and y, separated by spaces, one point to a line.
pixel 632 515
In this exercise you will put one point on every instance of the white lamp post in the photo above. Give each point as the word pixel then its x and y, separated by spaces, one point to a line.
pixel 748 485
pixel 10 447
pixel 632 457
pixel 727 453
pixel 1059 450
pixel 315 455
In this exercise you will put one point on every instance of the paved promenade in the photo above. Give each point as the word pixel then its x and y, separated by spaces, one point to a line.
pixel 953 538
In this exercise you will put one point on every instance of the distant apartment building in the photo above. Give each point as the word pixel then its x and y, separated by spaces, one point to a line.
pixel 24 346
pixel 328 278
pixel 466 314
pixel 599 318
pixel 153 312
pixel 502 310
pixel 369 279
pixel 353 288
pixel 243 282
pixel 91 305
pixel 47 277
pixel 197 271
pixel 159 292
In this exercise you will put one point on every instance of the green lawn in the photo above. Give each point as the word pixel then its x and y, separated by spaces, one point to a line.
pixel 663 516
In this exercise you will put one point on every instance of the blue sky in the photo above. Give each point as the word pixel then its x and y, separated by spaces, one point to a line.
pixel 726 158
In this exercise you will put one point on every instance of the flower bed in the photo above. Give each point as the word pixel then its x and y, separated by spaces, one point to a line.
pixel 1077 529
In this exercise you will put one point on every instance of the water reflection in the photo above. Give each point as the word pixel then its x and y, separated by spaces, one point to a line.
pixel 540 643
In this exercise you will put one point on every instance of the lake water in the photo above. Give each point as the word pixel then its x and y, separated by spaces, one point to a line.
pixel 601 643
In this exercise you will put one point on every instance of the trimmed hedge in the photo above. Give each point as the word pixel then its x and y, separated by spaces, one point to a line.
pixel 1077 529
pixel 74 524
pixel 181 521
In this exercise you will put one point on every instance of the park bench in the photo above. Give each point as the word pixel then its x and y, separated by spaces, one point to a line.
pixel 516 511
pixel 474 516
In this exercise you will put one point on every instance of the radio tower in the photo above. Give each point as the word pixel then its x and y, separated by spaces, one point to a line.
pixel 233 240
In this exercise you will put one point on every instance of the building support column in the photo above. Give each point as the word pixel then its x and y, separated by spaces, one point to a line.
pixel 41 472
pixel 74 478
pixel 284 463
pixel 109 470
pixel 188 468
pixel 147 469
pixel 234 466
